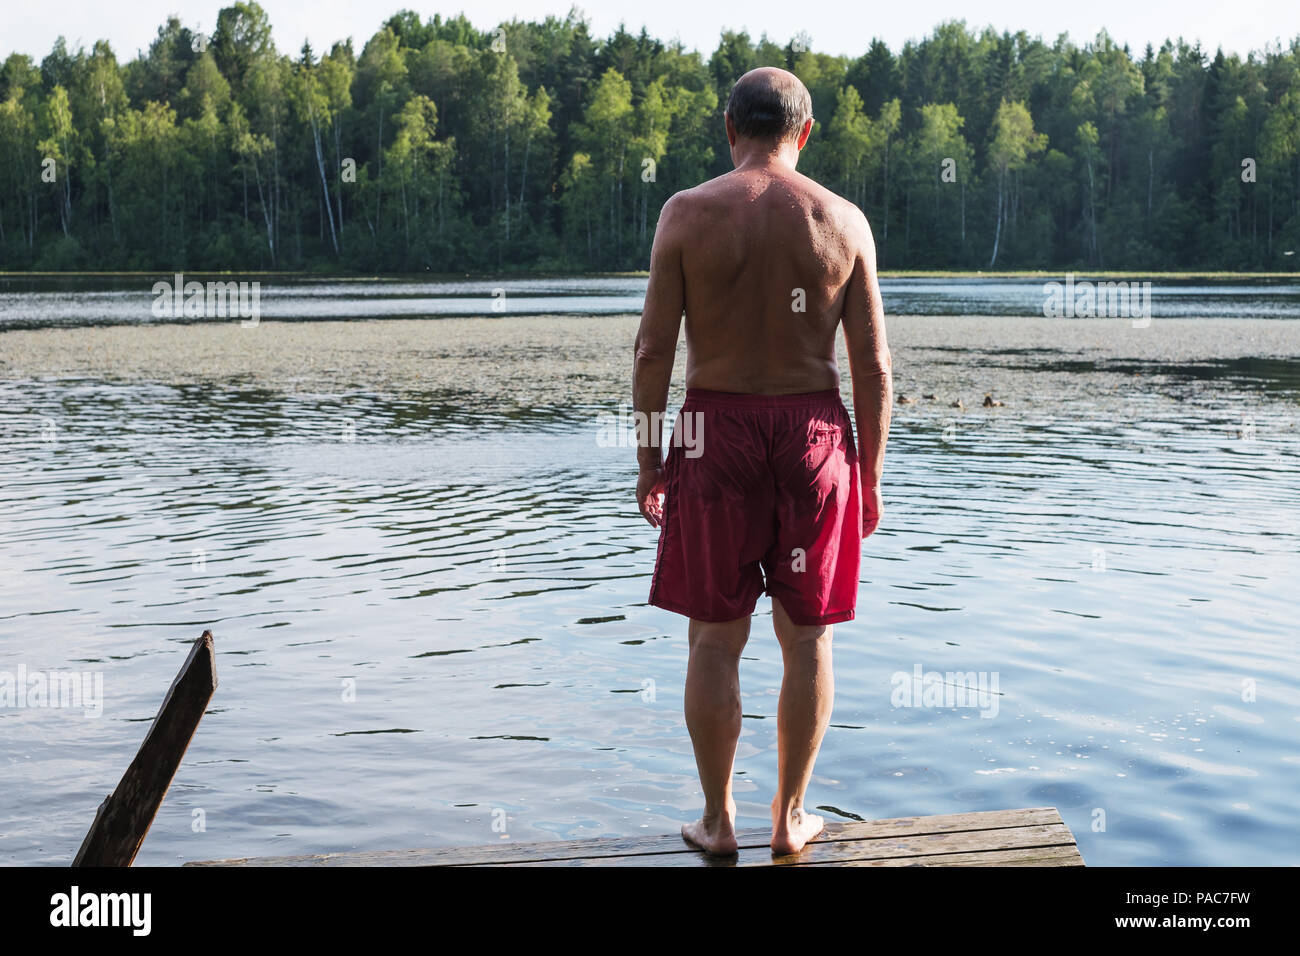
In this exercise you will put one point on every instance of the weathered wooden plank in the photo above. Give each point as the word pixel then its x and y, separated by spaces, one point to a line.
pixel 505 852
pixel 1025 856
pixel 659 844
pixel 124 818
pixel 903 850
pixel 962 841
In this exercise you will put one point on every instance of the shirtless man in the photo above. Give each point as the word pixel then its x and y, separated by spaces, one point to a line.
pixel 771 495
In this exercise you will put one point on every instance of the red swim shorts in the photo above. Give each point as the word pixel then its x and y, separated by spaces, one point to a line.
pixel 762 495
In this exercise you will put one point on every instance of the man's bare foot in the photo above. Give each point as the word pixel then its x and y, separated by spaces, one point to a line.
pixel 792 830
pixel 714 835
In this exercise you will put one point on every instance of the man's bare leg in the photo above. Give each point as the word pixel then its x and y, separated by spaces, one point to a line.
pixel 713 718
pixel 807 692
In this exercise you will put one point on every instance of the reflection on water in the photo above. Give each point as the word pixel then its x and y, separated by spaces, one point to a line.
pixel 429 617
pixel 34 302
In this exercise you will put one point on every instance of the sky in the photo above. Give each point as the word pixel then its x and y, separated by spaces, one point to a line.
pixel 835 26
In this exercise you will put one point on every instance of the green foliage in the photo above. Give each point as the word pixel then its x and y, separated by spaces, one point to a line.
pixel 534 146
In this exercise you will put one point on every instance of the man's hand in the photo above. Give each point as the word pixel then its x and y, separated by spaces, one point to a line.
pixel 649 486
pixel 655 352
pixel 873 507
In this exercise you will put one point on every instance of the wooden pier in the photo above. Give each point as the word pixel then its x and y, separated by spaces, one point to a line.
pixel 1030 837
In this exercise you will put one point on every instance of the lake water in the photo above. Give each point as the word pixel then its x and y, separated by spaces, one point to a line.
pixel 436 633
pixel 51 300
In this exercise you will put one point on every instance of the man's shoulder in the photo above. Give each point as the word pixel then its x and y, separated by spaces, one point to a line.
pixel 679 205
pixel 687 209
pixel 846 212
pixel 728 189
pixel 703 194
pixel 848 218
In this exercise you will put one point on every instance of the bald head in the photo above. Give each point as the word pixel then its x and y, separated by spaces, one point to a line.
pixel 769 104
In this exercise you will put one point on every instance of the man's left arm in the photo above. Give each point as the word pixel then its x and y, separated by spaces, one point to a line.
pixel 656 347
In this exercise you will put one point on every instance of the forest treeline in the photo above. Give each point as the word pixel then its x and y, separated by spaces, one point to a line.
pixel 536 146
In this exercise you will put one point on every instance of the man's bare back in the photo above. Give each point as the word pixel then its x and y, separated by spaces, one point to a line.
pixel 766 265
pixel 766 257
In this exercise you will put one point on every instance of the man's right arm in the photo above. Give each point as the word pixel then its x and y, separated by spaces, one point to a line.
pixel 871 367
pixel 655 351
